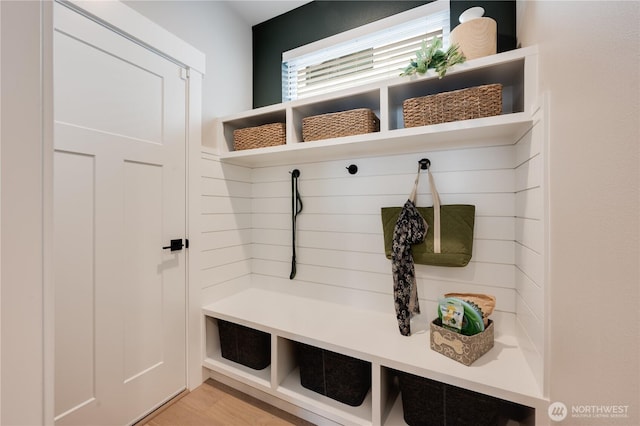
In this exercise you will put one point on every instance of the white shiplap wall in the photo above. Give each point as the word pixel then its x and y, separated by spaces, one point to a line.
pixel 246 220
pixel 225 241
pixel 340 242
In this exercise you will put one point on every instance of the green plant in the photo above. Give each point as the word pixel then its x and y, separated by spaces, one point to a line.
pixel 431 57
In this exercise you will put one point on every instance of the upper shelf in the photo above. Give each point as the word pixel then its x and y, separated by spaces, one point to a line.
pixel 515 70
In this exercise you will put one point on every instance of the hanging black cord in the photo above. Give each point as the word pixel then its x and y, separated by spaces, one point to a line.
pixel 296 207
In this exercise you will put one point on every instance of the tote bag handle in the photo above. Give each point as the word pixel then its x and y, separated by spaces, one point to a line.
pixel 436 207
pixel 436 213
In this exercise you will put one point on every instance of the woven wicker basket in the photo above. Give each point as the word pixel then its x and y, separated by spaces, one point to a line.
pixel 259 137
pixel 338 124
pixel 464 104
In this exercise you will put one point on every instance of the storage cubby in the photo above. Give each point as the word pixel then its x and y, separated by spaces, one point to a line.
pixel 368 99
pixel 509 74
pixel 338 412
pixel 287 383
pixel 340 377
pixel 267 116
pixel 213 359
pixel 244 345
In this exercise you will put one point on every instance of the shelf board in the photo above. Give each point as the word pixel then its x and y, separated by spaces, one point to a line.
pixel 373 336
pixel 262 378
pixel 490 131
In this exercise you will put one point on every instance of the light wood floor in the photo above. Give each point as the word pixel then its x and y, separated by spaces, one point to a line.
pixel 215 404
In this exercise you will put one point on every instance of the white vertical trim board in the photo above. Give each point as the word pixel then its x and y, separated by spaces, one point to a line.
pixel 26 96
pixel 193 191
pixel 0 220
pixel 48 202
pixel 530 245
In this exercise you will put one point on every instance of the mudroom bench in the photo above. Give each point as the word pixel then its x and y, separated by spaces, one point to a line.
pixel 369 335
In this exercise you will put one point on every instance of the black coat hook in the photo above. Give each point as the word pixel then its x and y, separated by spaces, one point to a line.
pixel 296 208
pixel 424 164
pixel 353 169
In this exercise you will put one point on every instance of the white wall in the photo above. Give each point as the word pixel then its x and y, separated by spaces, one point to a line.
pixel 216 30
pixel 589 64
pixel 23 148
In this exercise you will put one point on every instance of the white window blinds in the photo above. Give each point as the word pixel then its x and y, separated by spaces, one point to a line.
pixel 374 52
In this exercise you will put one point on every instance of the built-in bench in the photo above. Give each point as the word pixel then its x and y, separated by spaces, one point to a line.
pixel 369 335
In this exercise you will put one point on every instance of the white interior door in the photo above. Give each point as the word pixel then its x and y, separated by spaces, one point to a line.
pixel 119 198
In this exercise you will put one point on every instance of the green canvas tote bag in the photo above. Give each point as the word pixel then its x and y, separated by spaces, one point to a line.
pixel 449 240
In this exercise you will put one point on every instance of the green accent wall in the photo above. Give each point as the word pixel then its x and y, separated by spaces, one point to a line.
pixel 320 19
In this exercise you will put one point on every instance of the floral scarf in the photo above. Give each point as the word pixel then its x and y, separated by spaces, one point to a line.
pixel 410 229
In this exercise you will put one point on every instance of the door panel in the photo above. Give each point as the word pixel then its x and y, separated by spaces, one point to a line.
pixel 132 100
pixel 143 291
pixel 132 95
pixel 119 137
pixel 74 301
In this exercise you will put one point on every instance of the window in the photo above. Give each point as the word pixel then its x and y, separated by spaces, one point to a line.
pixel 363 55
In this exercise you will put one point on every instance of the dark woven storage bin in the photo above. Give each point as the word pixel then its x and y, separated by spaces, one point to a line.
pixel 334 375
pixel 244 345
pixel 259 137
pixel 338 124
pixel 428 402
pixel 464 104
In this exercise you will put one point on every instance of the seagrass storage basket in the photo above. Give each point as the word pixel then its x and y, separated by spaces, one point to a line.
pixel 337 376
pixel 272 134
pixel 244 345
pixel 464 104
pixel 337 124
pixel 428 402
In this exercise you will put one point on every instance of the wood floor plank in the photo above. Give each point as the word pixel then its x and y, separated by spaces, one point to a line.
pixel 215 404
